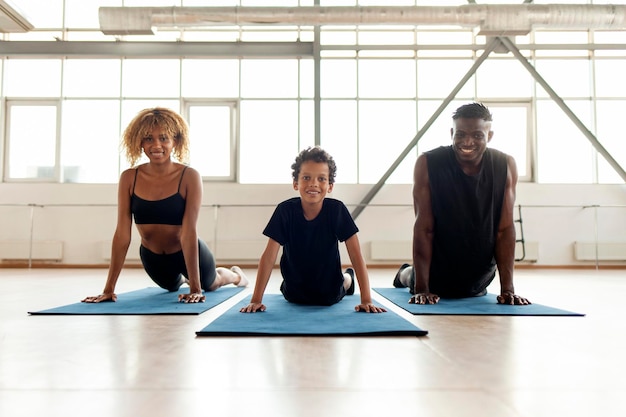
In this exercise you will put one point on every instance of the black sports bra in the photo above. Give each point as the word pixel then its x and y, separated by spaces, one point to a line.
pixel 169 210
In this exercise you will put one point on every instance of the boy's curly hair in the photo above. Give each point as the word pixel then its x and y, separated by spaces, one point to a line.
pixel 142 125
pixel 315 154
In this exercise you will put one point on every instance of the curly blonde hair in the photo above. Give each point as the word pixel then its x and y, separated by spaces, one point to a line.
pixel 142 125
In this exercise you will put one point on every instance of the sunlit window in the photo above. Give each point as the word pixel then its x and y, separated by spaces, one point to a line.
pixel 378 87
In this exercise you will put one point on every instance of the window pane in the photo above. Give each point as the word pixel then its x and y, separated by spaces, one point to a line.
pixel 503 78
pixel 91 78
pixel 33 77
pixel 510 134
pixel 338 78
pixel 210 78
pixel 43 13
pixel 610 116
pixel 387 78
pixel 89 146
pixel 386 37
pixel 439 132
pixel 338 37
pixel 307 80
pixel 564 155
pixel 307 124
pixel 385 129
pixel 151 78
pixel 268 141
pixel 437 78
pixel 568 78
pixel 608 78
pixel 269 78
pixel 84 13
pixel 211 138
pixel 32 141
pixel 339 137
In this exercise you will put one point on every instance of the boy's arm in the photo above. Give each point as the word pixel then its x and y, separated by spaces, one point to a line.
pixel 266 265
pixel 356 258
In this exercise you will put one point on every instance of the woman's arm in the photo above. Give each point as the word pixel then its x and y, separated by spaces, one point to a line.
pixel 121 238
pixel 192 188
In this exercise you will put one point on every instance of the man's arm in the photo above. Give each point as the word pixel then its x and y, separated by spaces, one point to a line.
pixel 422 233
pixel 505 240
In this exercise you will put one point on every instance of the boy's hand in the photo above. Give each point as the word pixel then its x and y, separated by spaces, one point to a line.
pixel 253 308
pixel 369 308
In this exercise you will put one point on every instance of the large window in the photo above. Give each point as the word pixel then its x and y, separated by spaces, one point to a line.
pixel 32 141
pixel 379 86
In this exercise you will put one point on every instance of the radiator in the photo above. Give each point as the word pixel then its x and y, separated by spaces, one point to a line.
pixel 401 250
pixel 42 250
pixel 605 251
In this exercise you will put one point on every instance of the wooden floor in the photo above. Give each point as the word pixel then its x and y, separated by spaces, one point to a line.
pixel 155 366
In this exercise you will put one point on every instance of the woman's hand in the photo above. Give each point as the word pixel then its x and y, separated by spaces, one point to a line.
pixel 194 297
pixel 99 298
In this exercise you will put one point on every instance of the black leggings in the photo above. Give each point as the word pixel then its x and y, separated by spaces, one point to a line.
pixel 167 271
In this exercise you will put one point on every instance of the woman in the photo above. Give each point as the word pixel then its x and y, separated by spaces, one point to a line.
pixel 164 197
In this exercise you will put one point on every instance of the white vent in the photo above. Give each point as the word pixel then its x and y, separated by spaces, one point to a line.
pixel 401 250
pixel 42 250
pixel 602 251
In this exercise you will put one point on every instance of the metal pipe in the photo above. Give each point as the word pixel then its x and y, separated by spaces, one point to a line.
pixel 492 19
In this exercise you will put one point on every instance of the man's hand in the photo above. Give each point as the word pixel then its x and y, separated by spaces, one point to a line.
pixel 100 298
pixel 512 299
pixel 194 297
pixel 253 308
pixel 369 308
pixel 424 298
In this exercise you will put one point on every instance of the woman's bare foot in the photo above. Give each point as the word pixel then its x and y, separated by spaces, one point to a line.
pixel 243 280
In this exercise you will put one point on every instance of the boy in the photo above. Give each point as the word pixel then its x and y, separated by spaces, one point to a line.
pixel 309 228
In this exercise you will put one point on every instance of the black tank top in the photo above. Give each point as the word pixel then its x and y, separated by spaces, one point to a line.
pixel 169 210
pixel 466 212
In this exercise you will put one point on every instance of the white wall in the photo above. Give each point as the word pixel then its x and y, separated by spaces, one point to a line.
pixel 83 216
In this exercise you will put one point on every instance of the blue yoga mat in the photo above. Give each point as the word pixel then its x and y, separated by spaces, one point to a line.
pixel 473 306
pixel 151 300
pixel 287 319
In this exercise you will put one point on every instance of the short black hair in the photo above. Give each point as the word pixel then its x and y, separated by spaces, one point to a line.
pixel 473 111
pixel 315 154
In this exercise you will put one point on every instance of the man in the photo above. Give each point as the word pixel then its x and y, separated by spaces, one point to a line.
pixel 463 196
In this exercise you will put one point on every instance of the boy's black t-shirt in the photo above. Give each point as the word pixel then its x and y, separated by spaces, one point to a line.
pixel 310 263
